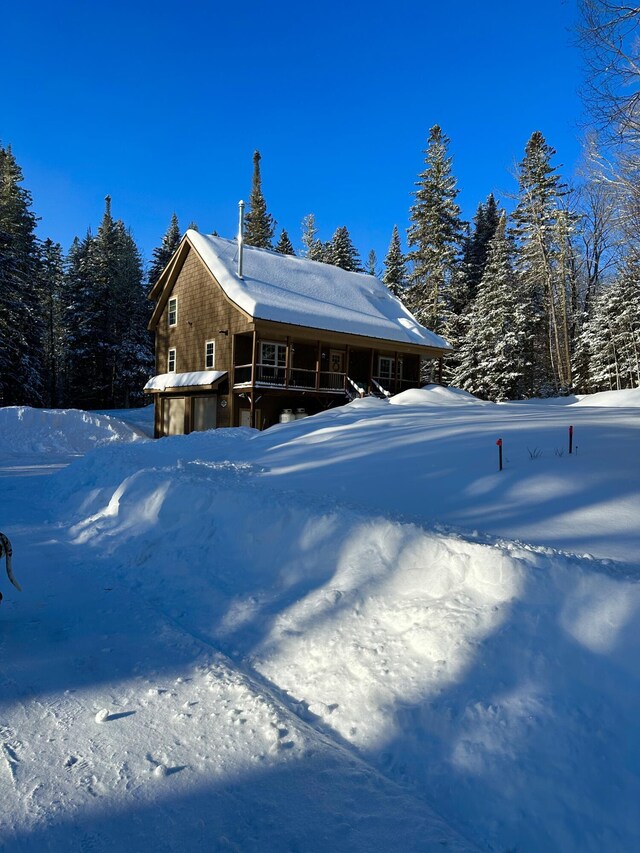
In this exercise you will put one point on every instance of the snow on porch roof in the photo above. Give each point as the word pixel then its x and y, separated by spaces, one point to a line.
pixel 287 289
pixel 184 380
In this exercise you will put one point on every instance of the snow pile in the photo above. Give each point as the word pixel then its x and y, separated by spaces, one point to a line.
pixel 436 395
pixel 616 399
pixel 24 430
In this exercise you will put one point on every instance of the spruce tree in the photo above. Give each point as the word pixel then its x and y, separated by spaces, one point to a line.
pixel 164 252
pixel 21 314
pixel 372 264
pixel 541 241
pixel 110 351
pixel 342 253
pixel 395 270
pixel 52 295
pixel 613 332
pixel 434 235
pixel 284 245
pixel 314 248
pixel 492 355
pixel 259 225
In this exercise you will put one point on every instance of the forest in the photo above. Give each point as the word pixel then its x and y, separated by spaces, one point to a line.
pixel 539 294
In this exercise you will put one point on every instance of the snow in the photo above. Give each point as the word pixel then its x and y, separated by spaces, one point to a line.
pixel 287 289
pixel 184 380
pixel 350 632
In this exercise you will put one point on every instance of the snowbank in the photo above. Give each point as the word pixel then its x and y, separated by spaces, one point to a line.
pixel 24 430
pixel 436 395
pixel 612 399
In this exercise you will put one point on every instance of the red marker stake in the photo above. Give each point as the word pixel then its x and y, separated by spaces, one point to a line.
pixel 570 439
pixel 499 443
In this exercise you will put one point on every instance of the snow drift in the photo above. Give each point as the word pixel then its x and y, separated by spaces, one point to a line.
pixel 24 430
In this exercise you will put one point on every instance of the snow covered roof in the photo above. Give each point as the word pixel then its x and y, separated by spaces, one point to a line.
pixel 298 291
pixel 184 380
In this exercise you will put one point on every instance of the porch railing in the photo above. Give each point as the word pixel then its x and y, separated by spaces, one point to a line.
pixel 302 379
pixel 292 377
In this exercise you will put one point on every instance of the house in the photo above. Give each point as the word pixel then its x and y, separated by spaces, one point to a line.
pixel 244 335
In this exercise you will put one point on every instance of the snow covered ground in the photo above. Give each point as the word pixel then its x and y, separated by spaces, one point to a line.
pixel 347 633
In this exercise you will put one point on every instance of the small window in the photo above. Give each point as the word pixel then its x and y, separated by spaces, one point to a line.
pixel 173 311
pixel 171 361
pixel 209 355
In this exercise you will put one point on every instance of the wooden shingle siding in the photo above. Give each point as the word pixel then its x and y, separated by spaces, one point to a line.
pixel 203 313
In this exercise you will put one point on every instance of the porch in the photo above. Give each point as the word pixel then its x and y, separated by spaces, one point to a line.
pixel 324 368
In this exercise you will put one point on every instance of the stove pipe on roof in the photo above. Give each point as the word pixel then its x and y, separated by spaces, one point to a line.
pixel 240 236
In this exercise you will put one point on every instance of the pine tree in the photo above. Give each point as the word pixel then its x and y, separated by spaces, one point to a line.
pixel 541 238
pixel 613 332
pixel 372 264
pixel 21 316
pixel 109 349
pixel 163 253
pixel 466 278
pixel 434 235
pixel 476 247
pixel 492 355
pixel 259 225
pixel 342 253
pixel 284 245
pixel 314 249
pixel 52 291
pixel 395 270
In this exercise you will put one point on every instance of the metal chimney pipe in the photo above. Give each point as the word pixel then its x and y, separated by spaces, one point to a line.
pixel 240 236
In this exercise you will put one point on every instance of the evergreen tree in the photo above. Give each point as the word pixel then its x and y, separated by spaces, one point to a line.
pixel 21 316
pixel 542 245
pixel 465 280
pixel 259 225
pixel 284 245
pixel 434 235
pixel 613 332
pixel 52 292
pixel 314 249
pixel 109 349
pixel 342 253
pixel 372 264
pixel 492 355
pixel 395 270
pixel 476 247
pixel 163 253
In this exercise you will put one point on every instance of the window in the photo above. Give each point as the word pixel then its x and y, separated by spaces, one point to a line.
pixel 273 359
pixel 387 367
pixel 273 354
pixel 209 355
pixel 171 361
pixel 173 311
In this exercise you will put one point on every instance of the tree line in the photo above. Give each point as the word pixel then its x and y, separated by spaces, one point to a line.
pixel 543 301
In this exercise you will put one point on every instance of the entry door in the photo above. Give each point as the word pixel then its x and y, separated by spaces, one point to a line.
pixel 336 361
pixel 173 416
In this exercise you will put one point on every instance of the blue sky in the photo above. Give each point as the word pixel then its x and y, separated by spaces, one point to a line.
pixel 162 106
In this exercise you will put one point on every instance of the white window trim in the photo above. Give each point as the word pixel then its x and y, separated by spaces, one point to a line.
pixel 275 344
pixel 213 355
pixel 171 350
pixel 175 300
pixel 393 366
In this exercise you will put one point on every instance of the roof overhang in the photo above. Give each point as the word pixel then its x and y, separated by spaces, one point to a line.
pixel 197 380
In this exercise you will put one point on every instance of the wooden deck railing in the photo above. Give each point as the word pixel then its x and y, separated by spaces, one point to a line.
pixel 302 379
